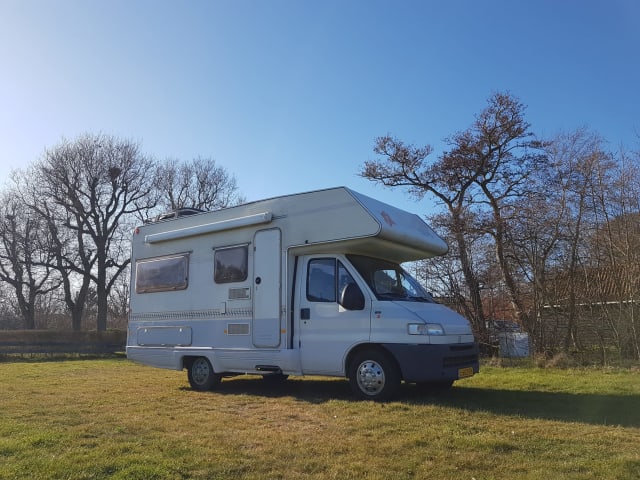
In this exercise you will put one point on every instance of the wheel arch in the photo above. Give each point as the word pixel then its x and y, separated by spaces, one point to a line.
pixel 187 360
pixel 370 346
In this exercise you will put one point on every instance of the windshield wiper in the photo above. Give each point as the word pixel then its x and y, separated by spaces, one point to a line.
pixel 388 296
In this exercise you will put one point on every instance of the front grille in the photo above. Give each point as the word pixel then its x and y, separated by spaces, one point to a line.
pixel 460 348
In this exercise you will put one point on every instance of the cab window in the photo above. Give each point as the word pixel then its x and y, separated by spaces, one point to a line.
pixel 326 278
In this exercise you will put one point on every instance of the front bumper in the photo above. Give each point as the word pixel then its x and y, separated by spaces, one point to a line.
pixel 435 363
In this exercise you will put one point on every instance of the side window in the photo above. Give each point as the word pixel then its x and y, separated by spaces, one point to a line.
pixel 162 274
pixel 231 264
pixel 321 280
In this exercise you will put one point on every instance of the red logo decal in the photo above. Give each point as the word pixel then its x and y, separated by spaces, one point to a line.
pixel 387 218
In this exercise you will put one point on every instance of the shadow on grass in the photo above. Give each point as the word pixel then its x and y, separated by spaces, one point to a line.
pixel 566 407
pixel 594 409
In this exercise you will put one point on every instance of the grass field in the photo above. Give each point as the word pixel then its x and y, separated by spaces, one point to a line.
pixel 109 418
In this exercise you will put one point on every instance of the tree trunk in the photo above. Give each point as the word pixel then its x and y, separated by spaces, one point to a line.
pixel 102 294
pixel 478 319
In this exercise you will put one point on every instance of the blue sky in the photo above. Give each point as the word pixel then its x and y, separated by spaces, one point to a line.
pixel 289 95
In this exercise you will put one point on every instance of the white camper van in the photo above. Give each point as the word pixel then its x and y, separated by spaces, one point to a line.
pixel 305 284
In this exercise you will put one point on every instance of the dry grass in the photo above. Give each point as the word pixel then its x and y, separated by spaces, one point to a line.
pixel 109 418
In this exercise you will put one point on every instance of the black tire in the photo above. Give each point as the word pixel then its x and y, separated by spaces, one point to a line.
pixel 201 375
pixel 373 375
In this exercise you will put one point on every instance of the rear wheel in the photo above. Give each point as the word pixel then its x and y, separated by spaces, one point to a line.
pixel 373 375
pixel 201 375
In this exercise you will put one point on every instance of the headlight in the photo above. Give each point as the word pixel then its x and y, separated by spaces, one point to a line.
pixel 425 329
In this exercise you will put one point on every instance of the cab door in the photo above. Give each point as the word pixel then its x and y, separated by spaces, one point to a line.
pixel 327 330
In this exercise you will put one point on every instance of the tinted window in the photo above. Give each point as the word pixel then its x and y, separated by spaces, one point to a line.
pixel 321 280
pixel 162 274
pixel 323 285
pixel 231 264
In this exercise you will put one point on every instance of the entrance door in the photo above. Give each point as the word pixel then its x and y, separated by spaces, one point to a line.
pixel 266 288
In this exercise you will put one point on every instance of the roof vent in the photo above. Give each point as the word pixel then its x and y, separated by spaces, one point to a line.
pixel 177 213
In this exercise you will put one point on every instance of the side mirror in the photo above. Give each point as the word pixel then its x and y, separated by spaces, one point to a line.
pixel 351 297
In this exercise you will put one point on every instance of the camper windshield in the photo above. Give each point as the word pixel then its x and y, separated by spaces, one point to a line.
pixel 388 280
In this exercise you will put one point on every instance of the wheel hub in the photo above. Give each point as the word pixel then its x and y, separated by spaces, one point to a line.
pixel 371 377
pixel 200 371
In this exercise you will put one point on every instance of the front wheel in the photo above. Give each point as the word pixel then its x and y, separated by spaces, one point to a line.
pixel 373 375
pixel 201 375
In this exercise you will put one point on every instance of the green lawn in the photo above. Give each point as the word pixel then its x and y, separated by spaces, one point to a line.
pixel 109 418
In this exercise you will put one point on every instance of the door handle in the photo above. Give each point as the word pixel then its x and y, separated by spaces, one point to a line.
pixel 305 313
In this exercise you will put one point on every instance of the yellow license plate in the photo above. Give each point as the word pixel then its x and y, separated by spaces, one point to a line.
pixel 465 372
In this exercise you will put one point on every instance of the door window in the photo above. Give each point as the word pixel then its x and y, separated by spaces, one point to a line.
pixel 321 280
pixel 326 277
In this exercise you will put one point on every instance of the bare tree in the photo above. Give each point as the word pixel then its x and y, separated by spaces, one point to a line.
pixel 478 180
pixel 92 185
pixel 576 239
pixel 506 154
pixel 616 242
pixel 535 234
pixel 579 159
pixel 561 217
pixel 25 256
pixel 200 183
pixel 72 257
pixel 119 300
pixel 450 179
